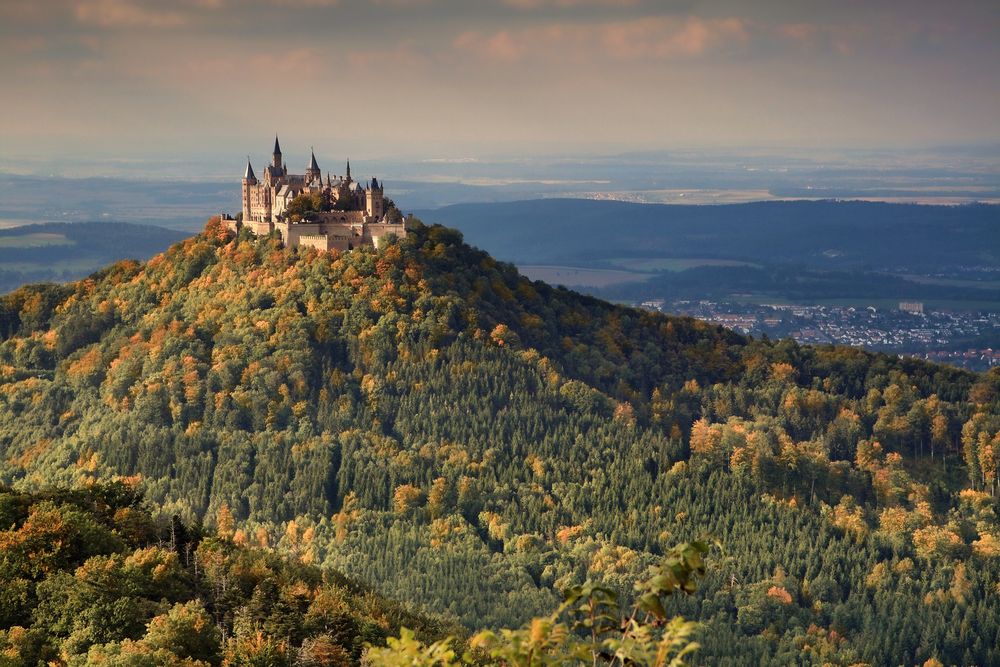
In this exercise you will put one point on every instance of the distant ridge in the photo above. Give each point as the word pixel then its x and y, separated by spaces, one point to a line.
pixel 860 233
pixel 61 251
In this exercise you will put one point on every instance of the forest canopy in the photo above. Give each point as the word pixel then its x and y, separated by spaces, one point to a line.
pixel 421 416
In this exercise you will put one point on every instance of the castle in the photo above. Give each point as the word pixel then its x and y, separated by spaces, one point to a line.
pixel 339 213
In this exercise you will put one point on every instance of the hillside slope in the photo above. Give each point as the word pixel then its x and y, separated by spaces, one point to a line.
pixel 426 419
pixel 91 578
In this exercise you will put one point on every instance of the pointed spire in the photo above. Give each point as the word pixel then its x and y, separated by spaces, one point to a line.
pixel 276 155
pixel 249 175
pixel 348 168
pixel 312 163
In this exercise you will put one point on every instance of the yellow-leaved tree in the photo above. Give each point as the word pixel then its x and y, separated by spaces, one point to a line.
pixel 590 628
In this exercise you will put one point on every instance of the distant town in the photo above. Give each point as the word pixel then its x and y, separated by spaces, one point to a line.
pixel 964 339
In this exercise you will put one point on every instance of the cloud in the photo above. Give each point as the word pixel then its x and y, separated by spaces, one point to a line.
pixel 23 45
pixel 803 33
pixel 651 38
pixel 306 4
pixel 569 4
pixel 501 46
pixel 197 71
pixel 402 3
pixel 841 39
pixel 396 59
pixel 126 14
pixel 660 38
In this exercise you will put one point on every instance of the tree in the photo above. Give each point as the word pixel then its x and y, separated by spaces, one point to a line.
pixel 306 204
pixel 589 628
pixel 187 631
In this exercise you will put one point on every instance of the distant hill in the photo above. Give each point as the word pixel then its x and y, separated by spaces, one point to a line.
pixel 68 251
pixel 424 418
pixel 803 251
pixel 818 234
pixel 154 201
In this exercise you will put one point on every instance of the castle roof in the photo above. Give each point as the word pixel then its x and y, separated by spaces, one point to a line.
pixel 312 163
pixel 249 175
pixel 277 148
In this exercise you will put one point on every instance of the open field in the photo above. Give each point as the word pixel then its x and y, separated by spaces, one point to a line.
pixel 8 223
pixel 35 240
pixel 952 282
pixel 652 264
pixel 572 276
pixel 81 266
pixel 69 251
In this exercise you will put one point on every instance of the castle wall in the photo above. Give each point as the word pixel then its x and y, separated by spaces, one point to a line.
pixel 292 232
pixel 377 232
pixel 319 241
pixel 343 217
pixel 260 228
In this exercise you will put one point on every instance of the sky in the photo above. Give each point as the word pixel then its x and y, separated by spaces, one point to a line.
pixel 455 78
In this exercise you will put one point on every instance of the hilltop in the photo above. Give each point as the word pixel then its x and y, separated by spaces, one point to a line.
pixel 422 417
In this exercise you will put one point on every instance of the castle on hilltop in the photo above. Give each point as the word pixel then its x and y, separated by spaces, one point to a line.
pixel 338 213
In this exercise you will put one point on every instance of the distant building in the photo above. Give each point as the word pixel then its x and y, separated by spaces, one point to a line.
pixel 357 214
pixel 914 307
pixel 653 304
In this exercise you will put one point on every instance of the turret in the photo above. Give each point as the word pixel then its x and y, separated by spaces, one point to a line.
pixel 249 181
pixel 348 170
pixel 276 155
pixel 312 171
pixel 375 201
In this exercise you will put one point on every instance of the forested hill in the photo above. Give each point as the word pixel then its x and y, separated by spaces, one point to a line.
pixel 424 418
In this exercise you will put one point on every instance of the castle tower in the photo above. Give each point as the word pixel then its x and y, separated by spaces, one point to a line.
pixel 249 181
pixel 348 170
pixel 375 200
pixel 312 171
pixel 276 155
